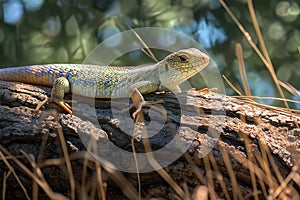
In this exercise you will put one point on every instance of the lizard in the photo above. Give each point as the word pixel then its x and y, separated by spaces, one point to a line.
pixel 110 81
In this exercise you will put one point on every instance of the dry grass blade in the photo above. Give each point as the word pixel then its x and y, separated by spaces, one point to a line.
pixel 102 194
pixel 5 176
pixel 236 189
pixel 203 180
pixel 196 170
pixel 186 191
pixel 99 187
pixel 239 54
pixel 148 52
pixel 4 184
pixel 248 99
pixel 264 50
pixel 100 181
pixel 232 86
pixel 262 158
pixel 35 188
pixel 263 161
pixel 43 184
pixel 296 176
pixel 251 163
pixel 219 176
pixel 83 195
pixel 67 157
pixel 154 163
pixel 284 183
pixel 258 32
pixel 253 45
pixel 36 170
pixel 135 161
pixel 116 176
pixel 267 98
pixel 209 176
pixel 3 158
pixel 255 168
pixel 283 186
pixel 126 187
pixel 290 88
pixel 280 190
pixel 251 169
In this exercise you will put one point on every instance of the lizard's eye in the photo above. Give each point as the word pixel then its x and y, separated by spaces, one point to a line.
pixel 183 58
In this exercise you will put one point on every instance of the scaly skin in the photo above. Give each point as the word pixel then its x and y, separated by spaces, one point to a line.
pixel 111 82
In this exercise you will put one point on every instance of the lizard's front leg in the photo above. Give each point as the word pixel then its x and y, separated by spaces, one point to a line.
pixel 136 91
pixel 61 86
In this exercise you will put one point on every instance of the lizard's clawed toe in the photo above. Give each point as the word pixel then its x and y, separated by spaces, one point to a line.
pixel 145 104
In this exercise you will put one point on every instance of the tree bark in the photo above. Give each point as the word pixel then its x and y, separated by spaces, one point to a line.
pixel 213 128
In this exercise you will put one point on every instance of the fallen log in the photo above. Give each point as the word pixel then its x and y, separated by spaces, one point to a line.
pixel 221 145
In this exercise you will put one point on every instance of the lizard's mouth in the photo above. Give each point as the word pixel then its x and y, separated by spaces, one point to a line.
pixel 193 68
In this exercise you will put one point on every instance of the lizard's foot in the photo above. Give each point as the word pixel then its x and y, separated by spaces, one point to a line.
pixel 40 105
pixel 65 106
pixel 61 104
pixel 205 90
pixel 145 104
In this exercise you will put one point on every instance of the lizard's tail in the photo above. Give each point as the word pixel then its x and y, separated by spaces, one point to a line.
pixel 36 74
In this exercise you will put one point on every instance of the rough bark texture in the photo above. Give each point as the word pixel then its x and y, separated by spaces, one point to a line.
pixel 208 122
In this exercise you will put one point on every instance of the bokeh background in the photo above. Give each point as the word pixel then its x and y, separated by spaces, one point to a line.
pixel 65 31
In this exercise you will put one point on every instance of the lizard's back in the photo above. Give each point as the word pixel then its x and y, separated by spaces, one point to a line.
pixel 46 74
pixel 84 79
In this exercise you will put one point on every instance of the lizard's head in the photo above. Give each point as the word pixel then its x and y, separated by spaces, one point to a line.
pixel 181 65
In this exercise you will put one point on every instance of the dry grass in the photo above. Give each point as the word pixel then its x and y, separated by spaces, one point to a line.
pixel 266 161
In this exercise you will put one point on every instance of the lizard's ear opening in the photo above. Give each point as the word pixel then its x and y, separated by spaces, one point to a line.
pixel 166 67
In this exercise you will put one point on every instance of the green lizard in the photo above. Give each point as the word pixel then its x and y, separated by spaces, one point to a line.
pixel 111 81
